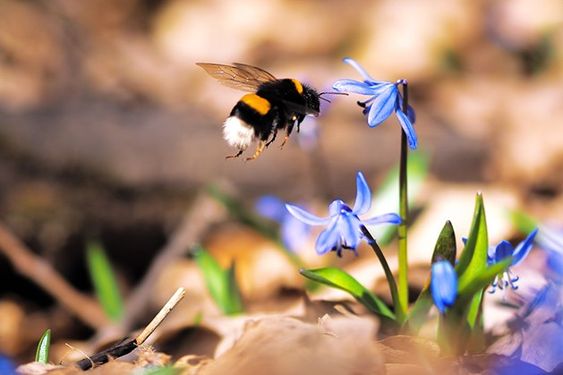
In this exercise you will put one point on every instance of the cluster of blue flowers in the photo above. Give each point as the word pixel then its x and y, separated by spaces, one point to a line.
pixel 443 285
pixel 343 223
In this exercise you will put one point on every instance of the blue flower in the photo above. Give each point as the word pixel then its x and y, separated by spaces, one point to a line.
pixel 443 285
pixel 6 366
pixel 503 250
pixel 293 232
pixel 343 224
pixel 385 99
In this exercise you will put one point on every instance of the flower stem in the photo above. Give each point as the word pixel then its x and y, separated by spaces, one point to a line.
pixel 403 212
pixel 388 274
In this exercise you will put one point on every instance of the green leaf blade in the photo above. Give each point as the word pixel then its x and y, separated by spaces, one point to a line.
pixel 221 284
pixel 445 249
pixel 42 351
pixel 445 245
pixel 104 281
pixel 484 278
pixel 339 279
pixel 473 258
pixel 419 310
pixel 234 305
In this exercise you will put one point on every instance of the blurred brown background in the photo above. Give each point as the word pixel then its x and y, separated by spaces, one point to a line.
pixel 107 126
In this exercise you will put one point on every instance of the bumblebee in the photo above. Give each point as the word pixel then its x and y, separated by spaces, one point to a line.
pixel 271 105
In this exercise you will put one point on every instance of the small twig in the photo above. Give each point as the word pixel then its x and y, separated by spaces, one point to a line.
pixel 45 276
pixel 126 346
pixel 172 302
pixel 123 348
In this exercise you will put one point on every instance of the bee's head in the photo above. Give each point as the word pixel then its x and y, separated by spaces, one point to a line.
pixel 312 101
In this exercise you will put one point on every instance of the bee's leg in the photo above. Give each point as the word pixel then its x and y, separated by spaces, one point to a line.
pixel 274 133
pixel 259 149
pixel 300 119
pixel 278 122
pixel 239 153
pixel 287 134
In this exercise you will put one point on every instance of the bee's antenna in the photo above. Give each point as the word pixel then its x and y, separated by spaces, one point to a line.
pixel 331 93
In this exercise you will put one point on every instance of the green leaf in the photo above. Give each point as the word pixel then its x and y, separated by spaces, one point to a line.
pixel 445 249
pixel 419 310
pixel 445 245
pixel 166 370
pixel 473 258
pixel 104 281
pixel 42 352
pixel 220 283
pixel 386 197
pixel 483 279
pixel 213 275
pixel 234 297
pixel 523 221
pixel 337 278
pixel 475 309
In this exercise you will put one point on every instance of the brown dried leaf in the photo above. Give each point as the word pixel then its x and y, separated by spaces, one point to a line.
pixel 191 364
pixel 281 345
pixel 10 327
pixel 36 368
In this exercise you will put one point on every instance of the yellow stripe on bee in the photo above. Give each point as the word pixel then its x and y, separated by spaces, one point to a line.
pixel 298 86
pixel 257 103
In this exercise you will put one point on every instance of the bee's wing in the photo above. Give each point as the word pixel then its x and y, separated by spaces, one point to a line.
pixel 238 76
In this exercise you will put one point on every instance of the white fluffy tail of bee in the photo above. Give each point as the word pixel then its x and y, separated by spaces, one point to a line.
pixel 237 133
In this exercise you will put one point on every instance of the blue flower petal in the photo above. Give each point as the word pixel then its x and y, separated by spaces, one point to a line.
pixel 352 86
pixel 443 285
pixel 382 106
pixel 363 195
pixel 271 207
pixel 390 218
pixel 408 129
pixel 349 227
pixel 306 217
pixel 502 250
pixel 523 248
pixel 329 238
pixel 335 207
pixel 358 67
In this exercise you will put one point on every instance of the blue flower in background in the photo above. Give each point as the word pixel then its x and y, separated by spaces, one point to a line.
pixel 443 285
pixel 293 232
pixel 385 99
pixel 551 240
pixel 504 249
pixel 7 366
pixel 343 224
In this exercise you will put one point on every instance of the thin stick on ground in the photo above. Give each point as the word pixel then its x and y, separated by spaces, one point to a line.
pixel 126 346
pixel 162 314
pixel 45 276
